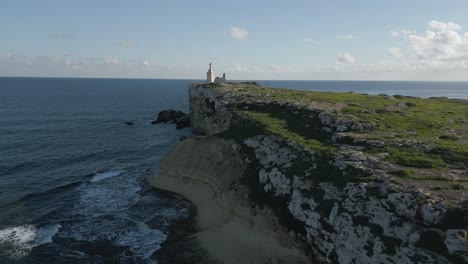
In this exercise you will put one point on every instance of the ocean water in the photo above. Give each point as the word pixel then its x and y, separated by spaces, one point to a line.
pixel 72 174
pixel 420 89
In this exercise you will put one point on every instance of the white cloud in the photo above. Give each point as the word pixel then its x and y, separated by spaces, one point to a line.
pixel 442 48
pixel 12 64
pixel 442 41
pixel 238 33
pixel 401 33
pixel 438 53
pixel 111 61
pixel 310 41
pixel 395 52
pixel 345 58
pixel 6 55
pixel 434 24
pixel 147 65
pixel 346 37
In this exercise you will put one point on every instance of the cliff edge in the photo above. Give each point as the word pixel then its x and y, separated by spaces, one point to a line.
pixel 343 177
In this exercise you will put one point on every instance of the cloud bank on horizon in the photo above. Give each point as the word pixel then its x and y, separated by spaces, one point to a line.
pixel 431 50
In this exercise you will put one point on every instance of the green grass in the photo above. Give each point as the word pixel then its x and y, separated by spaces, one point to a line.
pixel 277 120
pixel 425 120
pixel 265 122
pixel 274 125
pixel 208 85
pixel 425 117
pixel 416 159
pixel 450 151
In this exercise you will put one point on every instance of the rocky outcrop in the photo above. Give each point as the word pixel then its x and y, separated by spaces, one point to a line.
pixel 208 111
pixel 342 206
pixel 180 118
pixel 169 116
pixel 347 220
pixel 183 122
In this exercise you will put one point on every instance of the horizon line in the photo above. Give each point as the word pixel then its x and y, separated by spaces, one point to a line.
pixel 238 80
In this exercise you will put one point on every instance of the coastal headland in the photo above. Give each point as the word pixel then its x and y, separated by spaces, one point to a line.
pixel 286 176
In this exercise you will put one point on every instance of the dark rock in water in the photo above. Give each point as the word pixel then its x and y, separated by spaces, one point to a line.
pixel 182 138
pixel 180 118
pixel 129 123
pixel 183 122
pixel 169 116
pixel 165 116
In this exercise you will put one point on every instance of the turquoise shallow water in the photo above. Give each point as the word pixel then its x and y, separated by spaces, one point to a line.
pixel 72 174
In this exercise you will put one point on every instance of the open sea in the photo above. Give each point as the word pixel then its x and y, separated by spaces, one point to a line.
pixel 72 173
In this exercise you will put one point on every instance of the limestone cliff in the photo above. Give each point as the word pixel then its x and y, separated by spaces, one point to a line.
pixel 231 228
pixel 213 162
pixel 208 111
pixel 340 174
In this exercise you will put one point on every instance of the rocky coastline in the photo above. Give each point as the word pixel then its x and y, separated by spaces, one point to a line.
pixel 281 176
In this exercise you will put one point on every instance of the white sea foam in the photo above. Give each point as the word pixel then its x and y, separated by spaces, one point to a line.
pixel 104 175
pixel 112 195
pixel 104 210
pixel 142 240
pixel 18 241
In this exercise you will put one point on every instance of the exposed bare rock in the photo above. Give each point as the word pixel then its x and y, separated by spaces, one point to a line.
pixel 169 116
pixel 208 112
pixel 457 243
pixel 180 118
pixel 339 200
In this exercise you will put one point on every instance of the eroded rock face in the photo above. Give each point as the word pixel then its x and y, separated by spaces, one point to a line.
pixel 208 171
pixel 457 243
pixel 183 122
pixel 353 222
pixel 344 206
pixel 208 113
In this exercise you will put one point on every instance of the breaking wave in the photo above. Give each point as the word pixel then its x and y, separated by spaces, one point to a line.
pixel 104 175
pixel 17 242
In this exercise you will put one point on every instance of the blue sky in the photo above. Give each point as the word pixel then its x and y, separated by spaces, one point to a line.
pixel 363 40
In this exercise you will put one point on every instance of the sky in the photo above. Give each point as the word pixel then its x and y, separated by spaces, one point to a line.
pixel 246 39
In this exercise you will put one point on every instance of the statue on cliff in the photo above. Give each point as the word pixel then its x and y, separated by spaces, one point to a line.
pixel 210 77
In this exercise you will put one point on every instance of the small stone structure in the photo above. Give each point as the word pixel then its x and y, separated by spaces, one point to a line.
pixel 210 77
pixel 220 80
